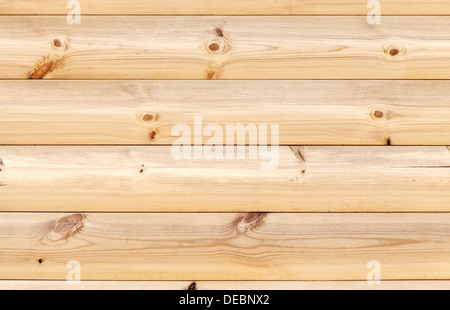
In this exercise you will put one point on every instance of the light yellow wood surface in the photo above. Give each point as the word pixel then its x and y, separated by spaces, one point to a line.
pixel 91 143
pixel 228 7
pixel 315 179
pixel 307 112
pixel 223 285
pixel 227 246
pixel 225 47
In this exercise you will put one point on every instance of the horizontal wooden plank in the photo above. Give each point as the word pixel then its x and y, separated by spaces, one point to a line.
pixel 148 178
pixel 225 47
pixel 229 7
pixel 222 285
pixel 211 246
pixel 307 112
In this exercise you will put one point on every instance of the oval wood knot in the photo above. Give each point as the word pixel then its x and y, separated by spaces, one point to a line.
pixel 66 227
pixel 250 221
pixel 153 134
pixel 147 117
pixel 44 66
pixel 217 46
pixel 60 44
pixel 219 32
pixel 394 50
pixel 378 114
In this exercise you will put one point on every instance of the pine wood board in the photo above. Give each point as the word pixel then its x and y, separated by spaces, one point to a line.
pixel 227 246
pixel 306 112
pixel 222 285
pixel 225 47
pixel 150 179
pixel 229 7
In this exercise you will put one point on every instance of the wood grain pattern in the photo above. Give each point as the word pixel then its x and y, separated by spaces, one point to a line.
pixel 225 47
pixel 224 246
pixel 86 114
pixel 223 285
pixel 307 112
pixel 229 7
pixel 316 179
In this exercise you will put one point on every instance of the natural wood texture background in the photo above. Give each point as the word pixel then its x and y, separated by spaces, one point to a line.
pixel 228 7
pixel 307 112
pixel 94 136
pixel 313 179
pixel 225 47
pixel 224 246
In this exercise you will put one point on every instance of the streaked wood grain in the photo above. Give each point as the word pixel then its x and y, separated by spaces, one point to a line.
pixel 316 179
pixel 246 47
pixel 307 112
pixel 229 7
pixel 226 246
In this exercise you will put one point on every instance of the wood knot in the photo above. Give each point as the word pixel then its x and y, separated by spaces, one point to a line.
pixel 66 227
pixel 147 117
pixel 394 50
pixel 59 44
pixel 219 32
pixel 250 221
pixel 217 46
pixel 214 47
pixel 43 67
pixel 380 114
pixel 153 134
pixel 40 260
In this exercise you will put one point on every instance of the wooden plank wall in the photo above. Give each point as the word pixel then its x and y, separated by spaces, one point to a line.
pixel 88 174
